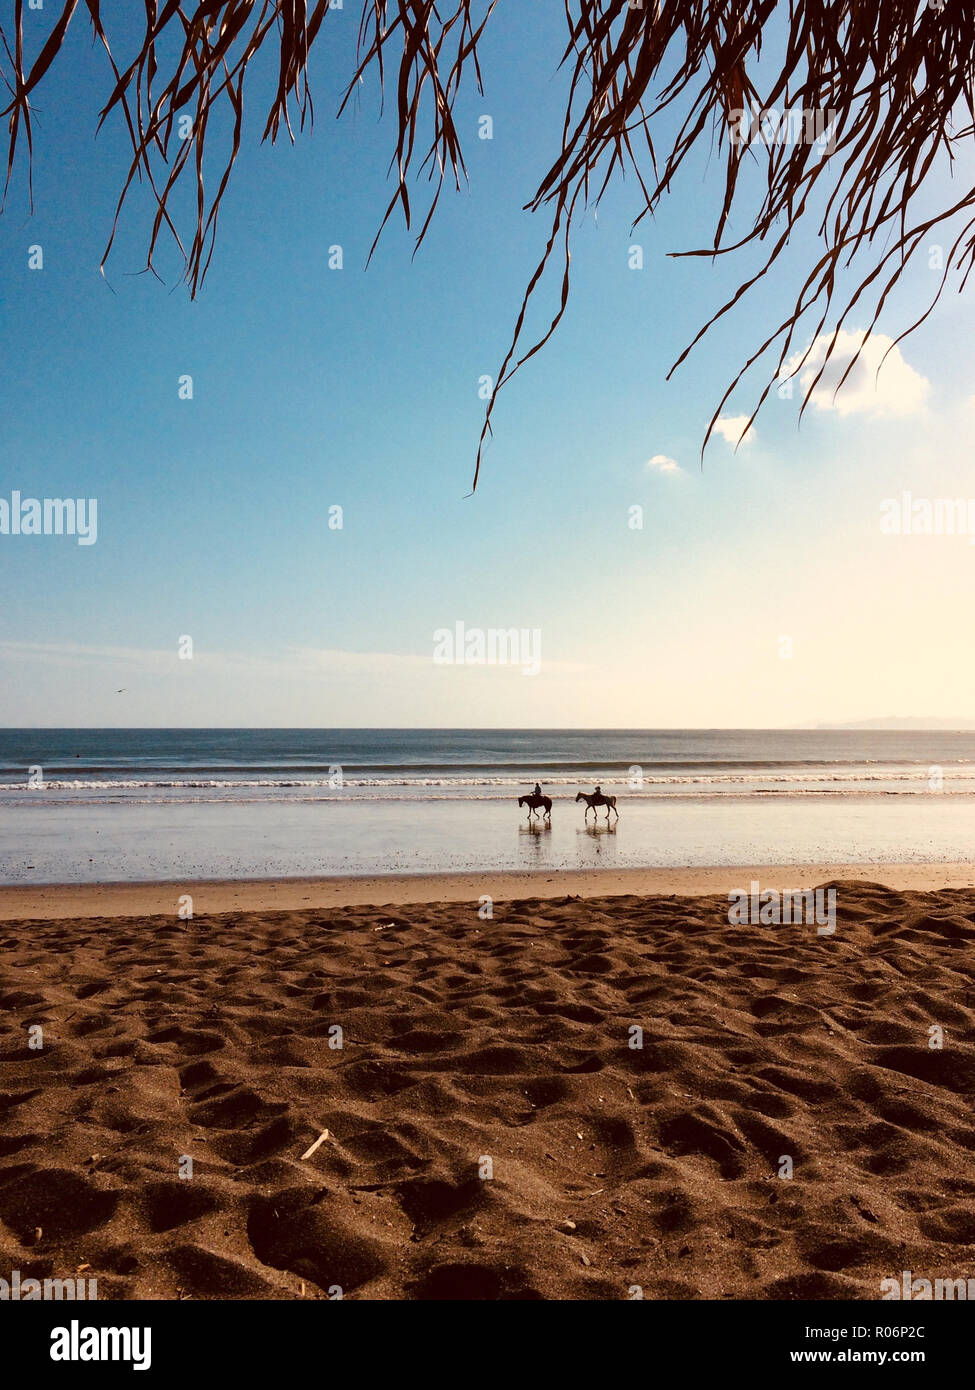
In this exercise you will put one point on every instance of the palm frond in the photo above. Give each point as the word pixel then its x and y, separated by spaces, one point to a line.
pixel 898 76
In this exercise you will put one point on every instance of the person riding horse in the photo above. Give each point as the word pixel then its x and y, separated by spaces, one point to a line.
pixel 597 799
pixel 536 801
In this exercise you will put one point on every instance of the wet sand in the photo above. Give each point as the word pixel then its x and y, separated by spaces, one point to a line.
pixel 46 901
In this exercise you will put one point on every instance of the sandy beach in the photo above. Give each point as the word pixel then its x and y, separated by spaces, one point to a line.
pixel 491 1130
pixel 487 705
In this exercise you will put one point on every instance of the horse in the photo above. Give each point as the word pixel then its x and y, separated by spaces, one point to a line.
pixel 534 802
pixel 597 799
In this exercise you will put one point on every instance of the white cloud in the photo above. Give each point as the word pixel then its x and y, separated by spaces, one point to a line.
pixel 895 389
pixel 291 663
pixel 663 464
pixel 732 428
pixel 60 685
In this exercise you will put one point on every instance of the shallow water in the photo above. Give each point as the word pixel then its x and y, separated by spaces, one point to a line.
pixel 49 842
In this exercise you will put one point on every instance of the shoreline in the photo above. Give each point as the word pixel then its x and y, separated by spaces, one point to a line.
pixel 50 901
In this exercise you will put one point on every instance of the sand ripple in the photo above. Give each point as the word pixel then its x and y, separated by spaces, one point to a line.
pixel 471 1046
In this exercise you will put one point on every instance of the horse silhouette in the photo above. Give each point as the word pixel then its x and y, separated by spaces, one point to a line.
pixel 534 802
pixel 598 799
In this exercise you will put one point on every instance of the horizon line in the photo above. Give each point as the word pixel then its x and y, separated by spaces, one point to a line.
pixel 854 726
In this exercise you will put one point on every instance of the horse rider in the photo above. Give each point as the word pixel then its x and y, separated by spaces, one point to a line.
pixel 537 791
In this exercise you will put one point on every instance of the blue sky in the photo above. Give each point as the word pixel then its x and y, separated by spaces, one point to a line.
pixel 359 388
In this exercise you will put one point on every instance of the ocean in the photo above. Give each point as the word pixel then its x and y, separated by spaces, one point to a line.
pixel 126 804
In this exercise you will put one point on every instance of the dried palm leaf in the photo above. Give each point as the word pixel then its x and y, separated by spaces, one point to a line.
pixel 898 74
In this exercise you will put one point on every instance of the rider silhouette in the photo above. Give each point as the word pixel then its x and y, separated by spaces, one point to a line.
pixel 537 791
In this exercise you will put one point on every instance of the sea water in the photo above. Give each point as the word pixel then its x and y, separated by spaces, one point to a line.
pixel 129 804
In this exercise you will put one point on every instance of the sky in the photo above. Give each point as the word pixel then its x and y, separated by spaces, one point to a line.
pixel 758 589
